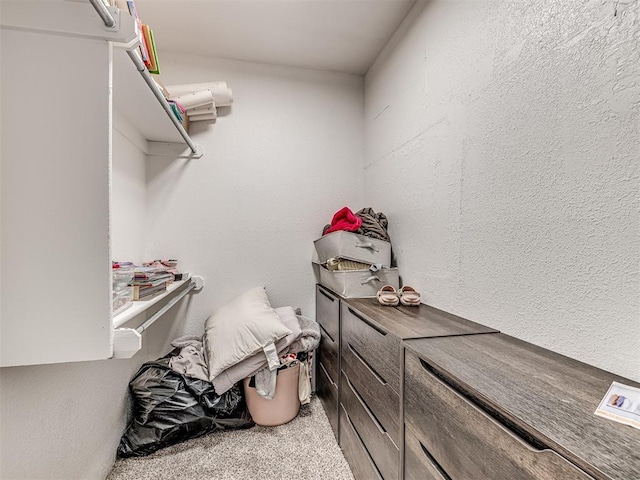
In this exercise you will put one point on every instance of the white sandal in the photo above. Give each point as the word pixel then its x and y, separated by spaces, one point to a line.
pixel 388 296
pixel 409 297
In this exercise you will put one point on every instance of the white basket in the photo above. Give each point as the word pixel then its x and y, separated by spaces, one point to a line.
pixel 356 283
pixel 353 247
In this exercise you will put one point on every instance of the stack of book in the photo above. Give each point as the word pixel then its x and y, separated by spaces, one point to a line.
pixel 150 281
pixel 147 50
pixel 180 112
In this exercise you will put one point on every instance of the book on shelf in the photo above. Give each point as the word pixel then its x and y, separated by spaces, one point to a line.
pixel 150 283
pixel 151 280
pixel 145 293
pixel 146 34
pixel 130 6
pixel 180 113
pixel 153 54
pixel 176 110
pixel 148 273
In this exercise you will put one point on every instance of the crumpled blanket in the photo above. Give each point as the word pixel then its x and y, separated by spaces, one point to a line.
pixel 374 224
pixel 190 361
pixel 309 339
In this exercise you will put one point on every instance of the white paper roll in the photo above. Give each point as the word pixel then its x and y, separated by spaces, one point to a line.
pixel 208 108
pixel 222 94
pixel 194 99
pixel 206 116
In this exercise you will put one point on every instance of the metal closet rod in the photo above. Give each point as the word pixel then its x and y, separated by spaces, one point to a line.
pixel 163 310
pixel 109 21
pixel 163 101
pixel 105 14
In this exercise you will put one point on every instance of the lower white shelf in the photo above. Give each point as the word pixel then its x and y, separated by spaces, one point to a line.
pixel 140 306
pixel 128 341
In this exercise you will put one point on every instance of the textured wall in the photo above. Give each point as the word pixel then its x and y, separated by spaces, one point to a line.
pixel 277 166
pixel 502 141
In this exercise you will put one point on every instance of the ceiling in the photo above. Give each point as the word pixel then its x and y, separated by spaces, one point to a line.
pixel 336 35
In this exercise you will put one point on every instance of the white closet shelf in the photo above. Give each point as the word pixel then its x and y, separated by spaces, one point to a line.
pixel 141 305
pixel 133 98
pixel 128 341
pixel 135 101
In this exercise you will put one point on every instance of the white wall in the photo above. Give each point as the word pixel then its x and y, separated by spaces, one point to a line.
pixel 502 142
pixel 128 194
pixel 277 167
pixel 64 421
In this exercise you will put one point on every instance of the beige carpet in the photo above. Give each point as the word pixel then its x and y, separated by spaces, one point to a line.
pixel 303 449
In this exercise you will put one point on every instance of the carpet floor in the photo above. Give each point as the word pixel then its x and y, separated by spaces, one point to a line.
pixel 303 449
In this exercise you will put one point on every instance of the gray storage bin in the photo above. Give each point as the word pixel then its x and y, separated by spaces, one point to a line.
pixel 356 283
pixel 353 247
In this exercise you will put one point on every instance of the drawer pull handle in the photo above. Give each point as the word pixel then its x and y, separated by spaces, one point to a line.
pixel 326 295
pixel 372 278
pixel 504 423
pixel 366 409
pixel 434 462
pixel 375 327
pixel 328 376
pixel 326 333
pixel 364 362
pixel 368 245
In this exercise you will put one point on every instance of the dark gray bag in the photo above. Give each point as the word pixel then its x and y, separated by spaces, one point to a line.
pixel 169 408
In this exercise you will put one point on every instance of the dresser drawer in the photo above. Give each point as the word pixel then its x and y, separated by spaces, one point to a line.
pixel 381 399
pixel 378 349
pixel 328 354
pixel 328 394
pixel 418 462
pixel 466 441
pixel 328 312
pixel 355 452
pixel 383 451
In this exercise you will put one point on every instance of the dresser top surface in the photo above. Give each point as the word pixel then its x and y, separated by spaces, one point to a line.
pixel 551 396
pixel 415 322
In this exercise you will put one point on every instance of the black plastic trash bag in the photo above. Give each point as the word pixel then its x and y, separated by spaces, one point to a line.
pixel 169 408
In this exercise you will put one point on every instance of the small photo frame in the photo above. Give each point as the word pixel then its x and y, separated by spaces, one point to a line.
pixel 621 404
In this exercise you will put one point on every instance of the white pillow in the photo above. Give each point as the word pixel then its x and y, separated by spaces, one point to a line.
pixel 239 329
pixel 250 365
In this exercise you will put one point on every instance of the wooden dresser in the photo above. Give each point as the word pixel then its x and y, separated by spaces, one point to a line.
pixel 364 403
pixel 495 407
pixel 328 369
pixel 419 393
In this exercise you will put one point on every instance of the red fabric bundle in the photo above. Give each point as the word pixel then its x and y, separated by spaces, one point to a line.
pixel 344 219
